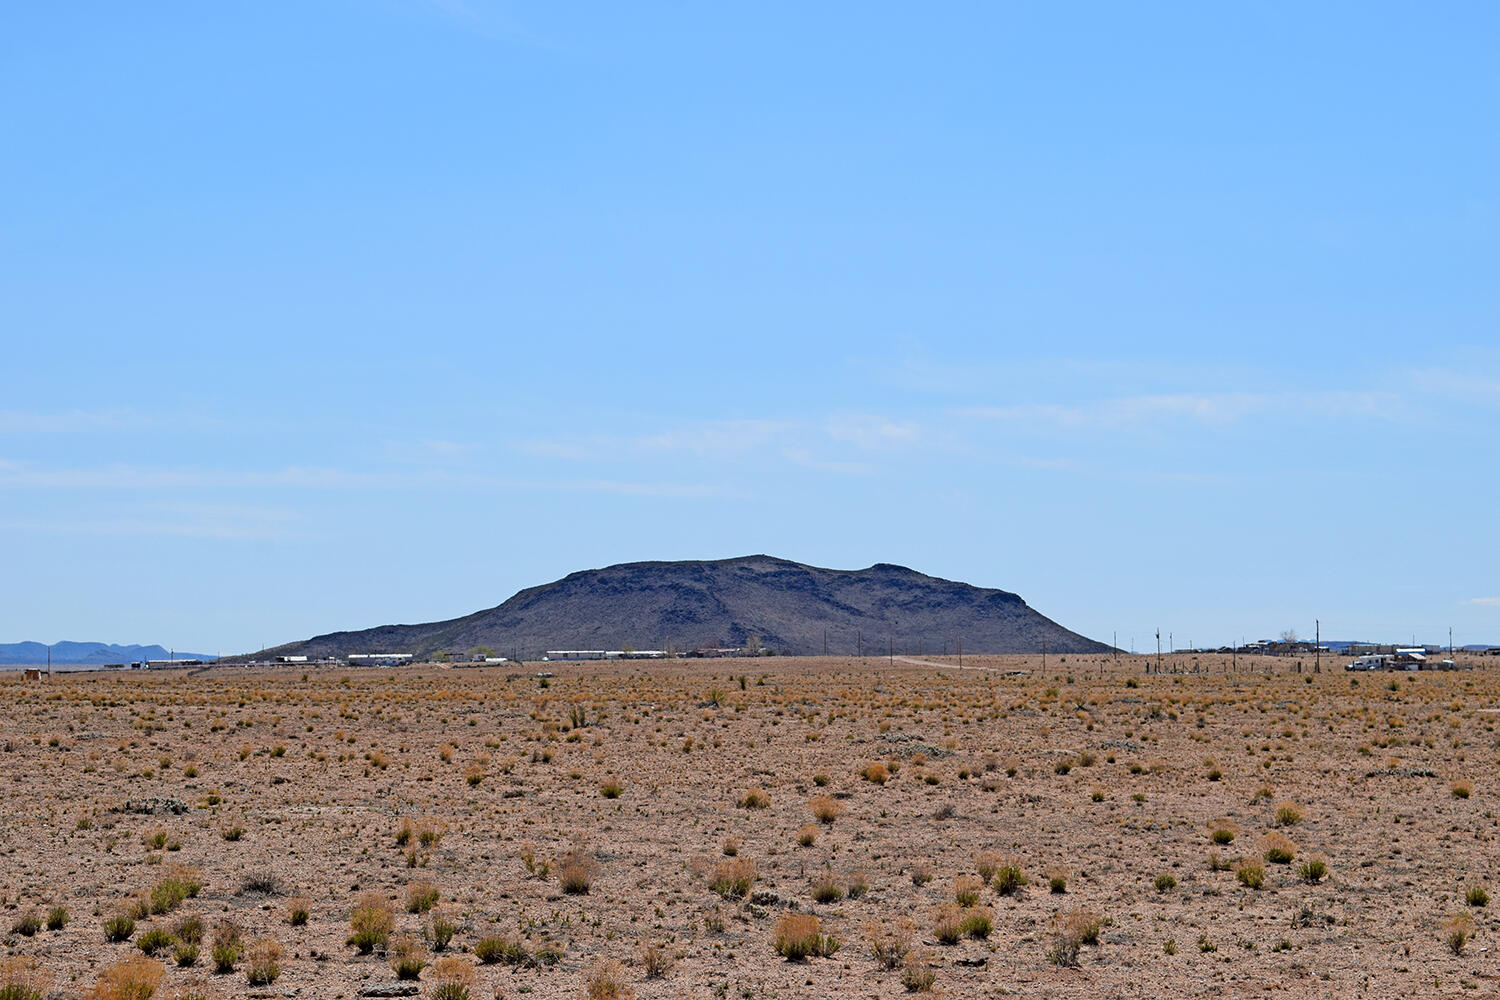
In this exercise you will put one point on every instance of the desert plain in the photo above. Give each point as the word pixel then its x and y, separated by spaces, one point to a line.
pixel 1087 828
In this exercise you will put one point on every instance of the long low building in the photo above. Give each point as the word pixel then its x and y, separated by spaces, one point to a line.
pixel 606 654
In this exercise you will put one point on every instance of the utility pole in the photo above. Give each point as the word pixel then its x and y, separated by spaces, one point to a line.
pixel 960 651
pixel 859 644
pixel 1317 646
pixel 1117 647
pixel 890 649
pixel 1158 650
pixel 1044 657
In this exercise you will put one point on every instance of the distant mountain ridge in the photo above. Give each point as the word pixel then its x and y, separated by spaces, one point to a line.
pixel 76 653
pixel 789 607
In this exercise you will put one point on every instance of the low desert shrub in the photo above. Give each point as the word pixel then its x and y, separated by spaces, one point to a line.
pixel 826 888
pixel 407 955
pixel 576 871
pixel 23 979
pixel 733 878
pixel 948 923
pixel 1313 870
pixel 808 835
pixel 441 928
pixel 297 911
pixel 371 921
pixel 57 918
pixel 27 922
pixel 606 981
pixel 421 897
pixel 1250 874
pixel 921 874
pixel 129 979
pixel 152 941
pixel 452 979
pixel 261 881
pixel 1009 878
pixel 118 928
pixel 977 922
pixel 1085 925
pixel 491 950
pixel 226 947
pixel 859 884
pixel 876 774
pixel 1288 814
pixel 1457 930
pixel 1278 849
pixel 755 798
pixel 889 943
pixel 1165 883
pixel 966 890
pixel 1476 895
pixel 918 975
pixel 798 936
pixel 655 958
pixel 1223 832
pixel 263 962
pixel 611 789
pixel 825 808
pixel 1462 789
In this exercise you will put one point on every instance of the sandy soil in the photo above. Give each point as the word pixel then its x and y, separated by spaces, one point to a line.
pixel 320 771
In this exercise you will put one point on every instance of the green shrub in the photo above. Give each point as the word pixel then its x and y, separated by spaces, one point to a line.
pixel 119 928
pixel 152 941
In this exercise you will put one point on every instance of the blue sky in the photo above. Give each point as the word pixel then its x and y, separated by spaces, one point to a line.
pixel 334 313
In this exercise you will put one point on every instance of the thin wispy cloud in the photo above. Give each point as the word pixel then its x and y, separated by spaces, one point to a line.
pixel 1487 602
pixel 1197 409
pixel 19 475
pixel 74 421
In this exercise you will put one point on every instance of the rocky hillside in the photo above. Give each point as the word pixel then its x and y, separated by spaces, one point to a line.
pixel 785 606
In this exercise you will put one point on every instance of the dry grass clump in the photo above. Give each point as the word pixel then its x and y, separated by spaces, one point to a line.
pixel 798 936
pixel 1313 870
pixel 119 928
pixel 985 863
pixel 918 975
pixel 876 773
pixel 263 962
pixel 1251 874
pixel 1456 931
pixel 755 798
pixel 732 878
pixel 966 890
pixel 1073 930
pixel 1009 877
pixel 1476 895
pixel 576 871
pixel 1223 831
pixel 441 927
pixel 407 955
pixel 1462 789
pixel 27 923
pixel 611 789
pixel 226 946
pixel 371 920
pixel 452 979
pixel 807 835
pixel 825 808
pixel 1278 848
pixel 1288 814
pixel 129 979
pixel 655 958
pixel 826 888
pixel 22 979
pixel 889 944
pixel 297 911
pixel 421 897
pixel 606 981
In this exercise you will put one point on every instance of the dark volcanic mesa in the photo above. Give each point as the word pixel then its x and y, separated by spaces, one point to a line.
pixel 730 602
